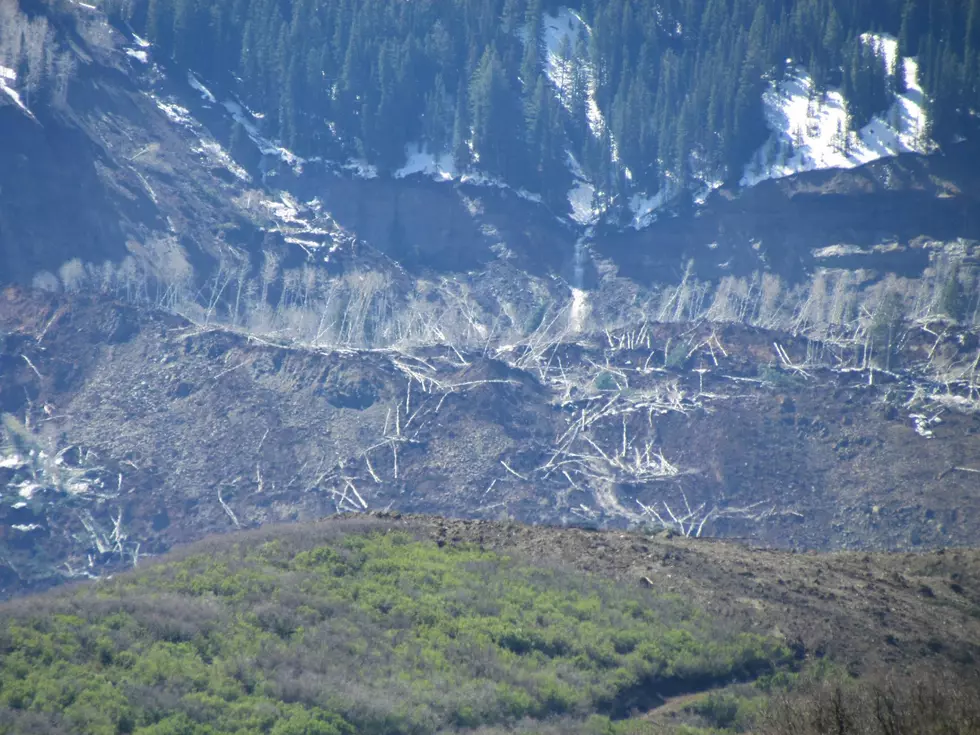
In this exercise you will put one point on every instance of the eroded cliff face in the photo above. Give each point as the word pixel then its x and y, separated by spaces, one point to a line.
pixel 890 216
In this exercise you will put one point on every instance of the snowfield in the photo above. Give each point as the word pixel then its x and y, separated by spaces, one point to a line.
pixel 809 131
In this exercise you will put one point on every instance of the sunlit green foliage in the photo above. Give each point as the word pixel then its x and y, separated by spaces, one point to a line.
pixel 365 634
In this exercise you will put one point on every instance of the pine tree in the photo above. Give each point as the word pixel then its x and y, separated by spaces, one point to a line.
pixel 366 77
pixel 462 155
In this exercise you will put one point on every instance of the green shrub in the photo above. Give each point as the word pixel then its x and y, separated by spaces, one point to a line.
pixel 368 634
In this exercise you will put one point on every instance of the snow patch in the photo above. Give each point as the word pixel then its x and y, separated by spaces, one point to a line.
pixel 264 145
pixel 139 55
pixel 177 114
pixel 837 251
pixel 810 130
pixel 581 197
pixel 361 169
pixel 702 194
pixel 645 207
pixel 141 42
pixel 478 178
pixel 220 157
pixel 884 45
pixel 196 84
pixel 26 527
pixel 7 79
pixel 420 162
pixel 568 24
pixel 441 167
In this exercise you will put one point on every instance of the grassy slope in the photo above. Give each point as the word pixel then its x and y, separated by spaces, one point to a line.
pixel 354 627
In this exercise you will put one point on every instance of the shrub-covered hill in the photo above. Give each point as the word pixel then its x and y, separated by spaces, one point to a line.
pixel 390 624
pixel 348 628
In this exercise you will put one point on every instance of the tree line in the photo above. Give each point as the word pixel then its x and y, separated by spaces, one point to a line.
pixel 678 82
pixel 29 50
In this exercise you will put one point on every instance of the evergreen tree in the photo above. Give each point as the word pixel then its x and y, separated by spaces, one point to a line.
pixel 368 77
pixel 462 156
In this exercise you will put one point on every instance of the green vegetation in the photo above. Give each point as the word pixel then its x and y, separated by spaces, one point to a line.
pixel 329 633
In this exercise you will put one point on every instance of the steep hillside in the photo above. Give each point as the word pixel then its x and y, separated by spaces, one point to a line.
pixel 149 148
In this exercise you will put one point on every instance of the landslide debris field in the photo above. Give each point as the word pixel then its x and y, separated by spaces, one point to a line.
pixel 126 431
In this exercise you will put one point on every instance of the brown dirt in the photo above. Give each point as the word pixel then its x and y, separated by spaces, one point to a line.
pixel 184 413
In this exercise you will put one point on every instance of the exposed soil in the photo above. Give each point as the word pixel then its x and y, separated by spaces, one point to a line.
pixel 187 431
pixel 886 216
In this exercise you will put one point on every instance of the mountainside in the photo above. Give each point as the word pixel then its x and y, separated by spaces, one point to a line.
pixel 636 110
pixel 618 99
pixel 240 299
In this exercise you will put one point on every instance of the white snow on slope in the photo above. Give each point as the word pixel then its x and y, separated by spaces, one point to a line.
pixel 566 28
pixel 140 52
pixel 177 114
pixel 361 169
pixel 581 196
pixel 196 84
pixel 645 207
pixel 420 161
pixel 441 167
pixel 7 79
pixel 219 157
pixel 206 146
pixel 811 134
pixel 569 24
pixel 561 71
pixel 267 147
